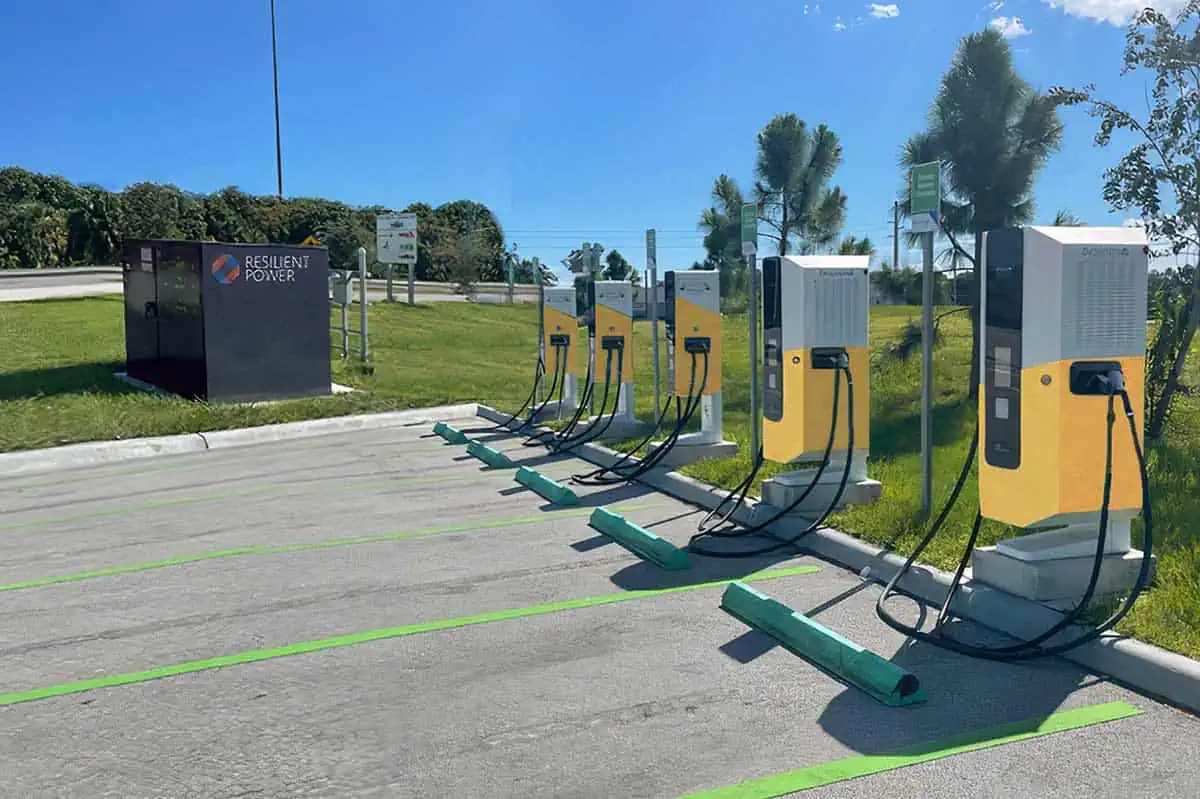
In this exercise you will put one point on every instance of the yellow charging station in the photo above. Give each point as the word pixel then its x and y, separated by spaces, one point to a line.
pixel 693 300
pixel 815 311
pixel 613 307
pixel 561 329
pixel 1060 307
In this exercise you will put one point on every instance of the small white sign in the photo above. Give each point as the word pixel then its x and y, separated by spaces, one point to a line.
pixel 396 238
pixel 923 223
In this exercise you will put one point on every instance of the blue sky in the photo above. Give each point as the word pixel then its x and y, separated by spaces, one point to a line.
pixel 572 120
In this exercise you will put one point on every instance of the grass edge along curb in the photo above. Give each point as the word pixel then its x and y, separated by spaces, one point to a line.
pixel 352 639
pixel 544 487
pixel 490 456
pixel 855 766
pixel 639 540
pixel 840 657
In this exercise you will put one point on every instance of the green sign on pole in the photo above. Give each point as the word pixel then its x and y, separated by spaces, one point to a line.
pixel 749 229
pixel 925 196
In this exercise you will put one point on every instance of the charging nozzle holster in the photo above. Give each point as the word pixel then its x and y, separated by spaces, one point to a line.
pixel 612 342
pixel 560 340
pixel 696 345
pixel 1096 378
pixel 830 358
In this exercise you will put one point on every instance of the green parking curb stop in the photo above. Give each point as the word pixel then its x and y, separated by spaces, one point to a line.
pixel 449 433
pixel 492 457
pixel 639 541
pixel 838 656
pixel 545 487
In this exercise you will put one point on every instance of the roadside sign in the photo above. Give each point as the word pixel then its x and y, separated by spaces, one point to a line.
pixel 311 241
pixel 749 229
pixel 651 248
pixel 925 196
pixel 396 238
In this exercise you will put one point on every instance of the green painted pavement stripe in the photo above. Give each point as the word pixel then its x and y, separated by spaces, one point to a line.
pixel 353 639
pixel 368 482
pixel 864 765
pixel 274 549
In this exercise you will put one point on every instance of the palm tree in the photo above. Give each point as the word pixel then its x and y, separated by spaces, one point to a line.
pixel 993 133
pixel 793 169
pixel 1064 218
pixel 852 246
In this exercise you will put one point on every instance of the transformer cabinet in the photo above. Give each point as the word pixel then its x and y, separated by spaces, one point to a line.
pixel 227 322
pixel 816 314
pixel 1063 310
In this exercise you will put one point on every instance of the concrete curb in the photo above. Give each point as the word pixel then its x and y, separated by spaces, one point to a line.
pixel 96 452
pixel 1146 668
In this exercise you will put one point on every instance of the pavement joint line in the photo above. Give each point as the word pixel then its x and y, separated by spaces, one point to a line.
pixel 146 464
pixel 369 482
pixel 314 546
pixel 857 766
pixel 380 634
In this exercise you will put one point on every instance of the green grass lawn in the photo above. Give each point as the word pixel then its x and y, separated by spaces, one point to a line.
pixel 57 387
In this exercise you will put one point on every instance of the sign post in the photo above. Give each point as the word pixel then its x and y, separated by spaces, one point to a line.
pixel 652 307
pixel 396 243
pixel 510 261
pixel 537 276
pixel 750 251
pixel 925 203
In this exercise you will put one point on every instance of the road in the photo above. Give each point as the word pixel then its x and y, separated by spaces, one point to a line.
pixel 398 621
pixel 83 284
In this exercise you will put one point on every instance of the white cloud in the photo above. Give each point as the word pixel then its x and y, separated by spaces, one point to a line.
pixel 995 5
pixel 884 11
pixel 1010 27
pixel 1114 12
pixel 840 26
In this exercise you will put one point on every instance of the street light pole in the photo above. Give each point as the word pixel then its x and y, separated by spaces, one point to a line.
pixel 275 76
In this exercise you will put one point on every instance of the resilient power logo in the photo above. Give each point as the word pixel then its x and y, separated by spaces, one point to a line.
pixel 226 269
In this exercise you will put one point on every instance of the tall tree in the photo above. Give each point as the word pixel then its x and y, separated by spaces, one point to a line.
pixel 1160 176
pixel 793 170
pixel 993 133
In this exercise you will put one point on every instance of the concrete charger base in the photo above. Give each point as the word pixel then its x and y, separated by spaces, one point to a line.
pixel 1059 582
pixel 683 454
pixel 617 430
pixel 784 489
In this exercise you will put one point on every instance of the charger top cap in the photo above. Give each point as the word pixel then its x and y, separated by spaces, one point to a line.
pixel 1083 294
pixel 825 299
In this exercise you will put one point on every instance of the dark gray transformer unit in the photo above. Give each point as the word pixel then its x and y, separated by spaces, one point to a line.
pixel 227 322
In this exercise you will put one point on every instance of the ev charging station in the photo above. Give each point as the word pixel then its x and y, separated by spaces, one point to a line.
pixel 815 324
pixel 1063 322
pixel 566 363
pixel 612 361
pixel 693 333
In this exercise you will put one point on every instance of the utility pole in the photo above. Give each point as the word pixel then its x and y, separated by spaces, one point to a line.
pixel 275 77
pixel 896 235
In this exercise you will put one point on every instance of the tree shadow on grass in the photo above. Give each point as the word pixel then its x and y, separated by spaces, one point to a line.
pixel 899 433
pixel 80 378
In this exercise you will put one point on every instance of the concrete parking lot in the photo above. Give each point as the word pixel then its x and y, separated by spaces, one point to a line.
pixel 378 614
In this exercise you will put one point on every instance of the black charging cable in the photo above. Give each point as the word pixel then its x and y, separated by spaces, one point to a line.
pixel 762 526
pixel 1033 648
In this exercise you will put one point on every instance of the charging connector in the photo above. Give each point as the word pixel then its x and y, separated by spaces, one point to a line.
pixel 697 345
pixel 560 340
